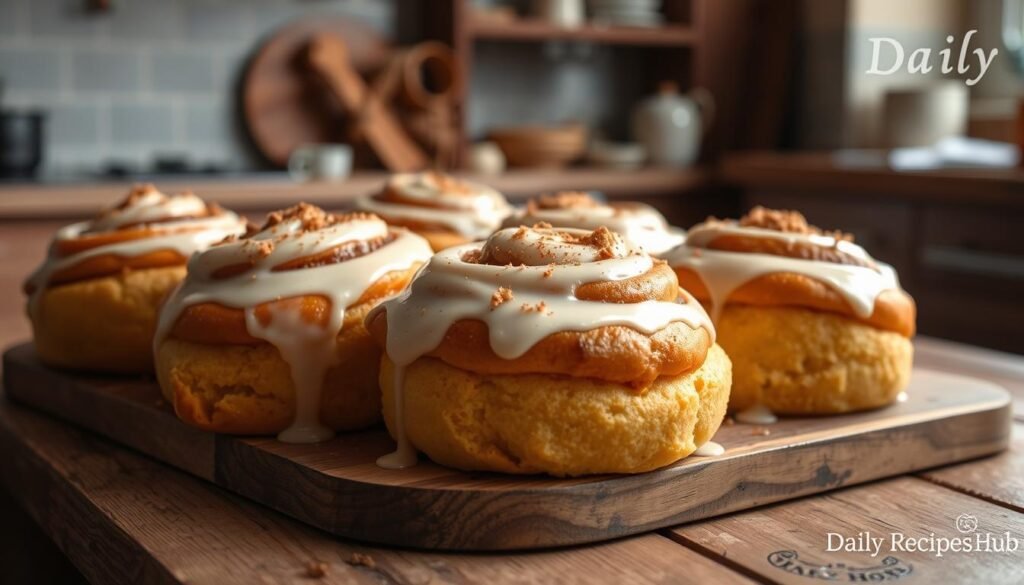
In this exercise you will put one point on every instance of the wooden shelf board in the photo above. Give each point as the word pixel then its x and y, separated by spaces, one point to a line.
pixel 268 191
pixel 670 35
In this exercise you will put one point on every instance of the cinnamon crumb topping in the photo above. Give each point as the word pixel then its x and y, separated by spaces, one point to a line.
pixel 500 297
pixel 784 220
pixel 561 200
pixel 539 307
pixel 312 218
pixel 604 240
pixel 362 560
pixel 472 257
pixel 316 569
pixel 138 191
pixel 448 183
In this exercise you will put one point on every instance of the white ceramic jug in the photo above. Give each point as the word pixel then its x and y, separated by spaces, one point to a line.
pixel 670 125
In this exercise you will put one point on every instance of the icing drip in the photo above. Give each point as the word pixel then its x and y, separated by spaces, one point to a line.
pixel 450 288
pixel 709 449
pixel 637 222
pixel 193 233
pixel 469 209
pixel 309 349
pixel 723 271
pixel 758 414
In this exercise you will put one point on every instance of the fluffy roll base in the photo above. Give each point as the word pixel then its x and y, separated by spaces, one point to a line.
pixel 542 423
pixel 103 324
pixel 799 361
pixel 248 389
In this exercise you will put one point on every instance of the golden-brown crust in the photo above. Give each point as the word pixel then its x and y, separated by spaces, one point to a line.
pixel 247 389
pixel 109 264
pixel 805 362
pixel 103 324
pixel 894 309
pixel 613 353
pixel 542 423
pixel 213 323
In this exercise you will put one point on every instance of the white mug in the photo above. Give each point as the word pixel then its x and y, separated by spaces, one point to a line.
pixel 325 162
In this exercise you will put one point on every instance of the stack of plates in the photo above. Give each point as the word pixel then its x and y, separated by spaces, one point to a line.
pixel 627 12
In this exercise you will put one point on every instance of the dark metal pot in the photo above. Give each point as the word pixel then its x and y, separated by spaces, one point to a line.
pixel 21 143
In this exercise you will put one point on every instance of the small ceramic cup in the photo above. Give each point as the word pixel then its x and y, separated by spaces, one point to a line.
pixel 320 162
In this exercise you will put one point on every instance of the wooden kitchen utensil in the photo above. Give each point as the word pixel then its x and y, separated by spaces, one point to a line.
pixel 375 123
pixel 281 108
pixel 336 485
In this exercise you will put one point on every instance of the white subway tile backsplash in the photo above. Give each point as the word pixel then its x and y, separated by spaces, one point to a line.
pixel 147 20
pixel 63 19
pixel 146 77
pixel 142 123
pixel 107 70
pixel 181 71
pixel 73 124
pixel 29 69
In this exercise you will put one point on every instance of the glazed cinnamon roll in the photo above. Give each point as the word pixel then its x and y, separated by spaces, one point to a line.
pixel 93 302
pixel 812 323
pixel 561 351
pixel 444 210
pixel 638 222
pixel 265 334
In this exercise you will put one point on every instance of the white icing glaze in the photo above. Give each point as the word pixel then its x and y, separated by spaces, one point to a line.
pixel 475 211
pixel 638 222
pixel 758 414
pixel 183 236
pixel 449 289
pixel 709 449
pixel 724 271
pixel 309 350
pixel 902 397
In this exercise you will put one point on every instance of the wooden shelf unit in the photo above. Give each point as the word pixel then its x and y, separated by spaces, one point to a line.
pixel 671 35
pixel 677 44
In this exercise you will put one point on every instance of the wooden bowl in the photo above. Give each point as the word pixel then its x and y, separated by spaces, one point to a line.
pixel 541 146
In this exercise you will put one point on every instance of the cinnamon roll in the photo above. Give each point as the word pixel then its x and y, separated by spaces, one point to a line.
pixel 444 210
pixel 93 302
pixel 638 222
pixel 813 324
pixel 265 335
pixel 561 351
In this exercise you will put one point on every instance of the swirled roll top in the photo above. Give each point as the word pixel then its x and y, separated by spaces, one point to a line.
pixel 317 262
pixel 148 229
pixel 544 300
pixel 775 258
pixel 436 200
pixel 638 222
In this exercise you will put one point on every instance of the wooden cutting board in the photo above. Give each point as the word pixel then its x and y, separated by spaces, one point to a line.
pixel 337 487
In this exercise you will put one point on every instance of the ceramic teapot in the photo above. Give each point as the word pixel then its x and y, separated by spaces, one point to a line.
pixel 671 125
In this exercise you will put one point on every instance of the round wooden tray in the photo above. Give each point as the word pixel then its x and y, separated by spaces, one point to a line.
pixel 283 104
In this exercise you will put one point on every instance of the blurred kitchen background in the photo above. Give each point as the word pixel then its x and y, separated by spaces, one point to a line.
pixel 695 106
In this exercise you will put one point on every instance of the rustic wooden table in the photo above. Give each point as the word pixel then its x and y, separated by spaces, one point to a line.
pixel 120 517
pixel 123 518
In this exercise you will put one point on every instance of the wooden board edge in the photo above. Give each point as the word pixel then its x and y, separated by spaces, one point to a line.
pixel 602 510
pixel 176 444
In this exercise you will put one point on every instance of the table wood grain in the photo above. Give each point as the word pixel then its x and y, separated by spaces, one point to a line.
pixel 121 517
